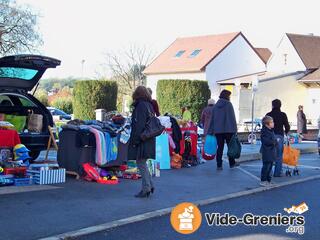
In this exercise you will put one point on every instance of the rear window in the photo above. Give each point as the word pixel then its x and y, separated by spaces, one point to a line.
pixel 20 73
pixel 13 101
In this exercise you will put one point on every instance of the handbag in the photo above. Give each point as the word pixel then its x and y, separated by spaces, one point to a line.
pixel 234 147
pixel 35 122
pixel 153 128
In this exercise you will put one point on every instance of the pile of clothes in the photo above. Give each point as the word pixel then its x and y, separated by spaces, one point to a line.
pixel 107 136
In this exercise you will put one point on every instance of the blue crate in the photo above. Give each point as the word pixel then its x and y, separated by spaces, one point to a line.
pixel 23 181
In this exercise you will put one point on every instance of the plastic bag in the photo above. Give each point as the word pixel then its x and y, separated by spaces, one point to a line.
pixel 210 145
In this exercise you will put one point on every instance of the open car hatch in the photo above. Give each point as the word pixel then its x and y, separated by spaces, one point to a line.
pixel 24 71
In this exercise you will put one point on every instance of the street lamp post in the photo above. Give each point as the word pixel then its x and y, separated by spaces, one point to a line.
pixel 254 87
pixel 82 67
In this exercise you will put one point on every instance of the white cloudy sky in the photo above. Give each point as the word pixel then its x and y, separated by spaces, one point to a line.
pixel 73 30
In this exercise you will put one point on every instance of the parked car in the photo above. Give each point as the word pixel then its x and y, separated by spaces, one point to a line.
pixel 19 74
pixel 60 113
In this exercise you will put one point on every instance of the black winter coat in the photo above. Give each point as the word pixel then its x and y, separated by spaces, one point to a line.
pixel 139 149
pixel 176 134
pixel 280 120
pixel 223 118
pixel 268 145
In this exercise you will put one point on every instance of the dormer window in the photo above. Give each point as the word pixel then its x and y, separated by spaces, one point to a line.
pixel 180 53
pixel 195 53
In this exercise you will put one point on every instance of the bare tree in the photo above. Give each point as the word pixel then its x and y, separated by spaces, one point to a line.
pixel 127 67
pixel 18 32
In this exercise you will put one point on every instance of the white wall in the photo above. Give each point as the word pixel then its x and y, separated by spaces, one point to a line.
pixel 152 80
pixel 238 59
pixel 312 107
pixel 287 89
pixel 277 64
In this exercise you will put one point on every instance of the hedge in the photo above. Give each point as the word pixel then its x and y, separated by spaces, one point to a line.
pixel 64 104
pixel 90 95
pixel 174 94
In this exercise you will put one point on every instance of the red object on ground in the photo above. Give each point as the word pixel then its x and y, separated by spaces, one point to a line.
pixel 110 182
pixel 194 140
pixel 16 171
pixel 123 168
pixel 93 175
pixel 132 176
pixel 9 138
pixel 91 172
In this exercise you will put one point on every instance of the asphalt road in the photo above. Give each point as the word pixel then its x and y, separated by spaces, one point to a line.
pixel 265 203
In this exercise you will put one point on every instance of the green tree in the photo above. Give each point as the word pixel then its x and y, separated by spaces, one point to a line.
pixel 42 96
pixel 18 28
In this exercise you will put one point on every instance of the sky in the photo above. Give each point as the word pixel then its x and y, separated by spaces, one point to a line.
pixel 76 30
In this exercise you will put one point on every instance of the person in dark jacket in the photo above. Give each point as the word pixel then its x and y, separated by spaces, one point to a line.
pixel 206 116
pixel 223 125
pixel 281 127
pixel 268 150
pixel 301 121
pixel 138 149
pixel 154 103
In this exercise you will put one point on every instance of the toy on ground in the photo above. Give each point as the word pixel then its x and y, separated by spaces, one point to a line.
pixel 21 153
pixel 92 174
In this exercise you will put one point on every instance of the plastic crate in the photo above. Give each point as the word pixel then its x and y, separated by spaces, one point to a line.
pixel 16 171
pixel 23 181
pixel 6 180
pixel 48 176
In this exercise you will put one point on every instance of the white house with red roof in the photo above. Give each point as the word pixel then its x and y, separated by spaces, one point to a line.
pixel 293 76
pixel 224 60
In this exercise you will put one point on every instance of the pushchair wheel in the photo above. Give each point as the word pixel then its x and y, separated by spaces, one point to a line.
pixel 296 172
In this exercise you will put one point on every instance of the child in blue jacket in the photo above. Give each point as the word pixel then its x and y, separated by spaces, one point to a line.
pixel 268 150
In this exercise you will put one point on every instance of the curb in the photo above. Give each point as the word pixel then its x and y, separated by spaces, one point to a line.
pixel 166 211
pixel 257 156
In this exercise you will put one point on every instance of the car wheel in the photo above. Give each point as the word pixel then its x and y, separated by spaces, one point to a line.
pixel 34 155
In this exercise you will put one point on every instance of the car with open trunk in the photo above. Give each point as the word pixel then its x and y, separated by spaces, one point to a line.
pixel 19 75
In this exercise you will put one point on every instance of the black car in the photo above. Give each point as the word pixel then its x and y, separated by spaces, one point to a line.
pixel 19 74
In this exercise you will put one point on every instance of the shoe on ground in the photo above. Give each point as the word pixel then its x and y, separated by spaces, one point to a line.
pixel 264 184
pixel 219 168
pixel 235 165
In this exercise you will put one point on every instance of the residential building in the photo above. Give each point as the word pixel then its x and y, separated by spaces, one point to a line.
pixel 293 76
pixel 224 60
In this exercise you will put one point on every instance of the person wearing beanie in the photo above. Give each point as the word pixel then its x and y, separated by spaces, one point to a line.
pixel 206 116
pixel 223 125
pixel 281 127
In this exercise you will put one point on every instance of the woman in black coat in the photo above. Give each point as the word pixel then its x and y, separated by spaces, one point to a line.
pixel 138 149
pixel 301 121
